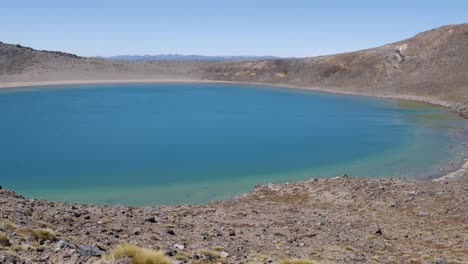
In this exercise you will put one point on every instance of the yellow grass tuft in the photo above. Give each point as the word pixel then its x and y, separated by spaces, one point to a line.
pixel 138 255
pixel 4 240
pixel 296 261
pixel 7 225
pixel 42 234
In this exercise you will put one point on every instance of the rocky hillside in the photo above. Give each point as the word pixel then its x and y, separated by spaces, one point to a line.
pixel 431 66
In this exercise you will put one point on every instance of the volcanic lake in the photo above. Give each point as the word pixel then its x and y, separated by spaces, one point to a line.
pixel 188 143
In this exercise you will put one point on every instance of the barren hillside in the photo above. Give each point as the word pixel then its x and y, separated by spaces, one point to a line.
pixel 432 66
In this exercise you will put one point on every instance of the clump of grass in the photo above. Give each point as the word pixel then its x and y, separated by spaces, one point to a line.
pixel 211 254
pixel 43 224
pixel 348 248
pixel 218 248
pixel 29 212
pixel 18 248
pixel 296 261
pixel 42 234
pixel 255 258
pixel 138 255
pixel 207 256
pixel 7 225
pixel 4 240
pixel 181 256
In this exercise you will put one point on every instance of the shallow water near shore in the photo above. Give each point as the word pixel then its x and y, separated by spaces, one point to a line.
pixel 149 144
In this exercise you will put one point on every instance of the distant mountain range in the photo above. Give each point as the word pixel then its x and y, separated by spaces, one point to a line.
pixel 178 57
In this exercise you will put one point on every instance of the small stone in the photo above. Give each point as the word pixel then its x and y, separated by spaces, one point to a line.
pixel 424 214
pixel 60 245
pixel 441 261
pixel 170 232
pixel 137 231
pixel 392 204
pixel 150 219
pixel 179 246
pixel 77 214
pixel 90 251
pixel 376 230
pixel 224 254
pixel 232 233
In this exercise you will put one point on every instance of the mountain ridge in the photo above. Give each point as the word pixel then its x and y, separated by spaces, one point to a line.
pixel 431 66
pixel 190 57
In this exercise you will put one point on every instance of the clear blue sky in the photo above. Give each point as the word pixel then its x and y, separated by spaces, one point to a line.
pixel 240 27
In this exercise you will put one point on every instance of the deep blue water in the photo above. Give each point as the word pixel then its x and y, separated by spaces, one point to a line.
pixel 143 144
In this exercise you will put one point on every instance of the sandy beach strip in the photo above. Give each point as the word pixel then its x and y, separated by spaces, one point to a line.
pixel 335 90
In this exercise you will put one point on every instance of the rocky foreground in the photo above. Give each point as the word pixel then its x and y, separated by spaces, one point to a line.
pixel 335 220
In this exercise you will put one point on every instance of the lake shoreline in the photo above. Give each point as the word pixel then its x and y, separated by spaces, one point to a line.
pixel 456 170
pixel 427 100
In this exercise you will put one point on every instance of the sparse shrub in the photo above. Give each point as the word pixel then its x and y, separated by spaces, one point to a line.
pixel 206 256
pixel 43 224
pixel 218 248
pixel 4 240
pixel 138 255
pixel 7 225
pixel 296 261
pixel 348 248
pixel 29 212
pixel 17 248
pixel 42 234
pixel 181 256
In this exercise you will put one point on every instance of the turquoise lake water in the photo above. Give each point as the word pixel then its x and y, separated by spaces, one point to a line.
pixel 149 144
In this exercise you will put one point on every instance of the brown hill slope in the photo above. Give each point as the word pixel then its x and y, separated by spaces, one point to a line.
pixel 431 66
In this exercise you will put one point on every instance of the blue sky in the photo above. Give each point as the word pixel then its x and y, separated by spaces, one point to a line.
pixel 241 27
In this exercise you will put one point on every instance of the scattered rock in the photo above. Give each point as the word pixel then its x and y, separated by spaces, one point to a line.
pixel 170 231
pixel 90 251
pixel 224 254
pixel 376 230
pixel 392 204
pixel 441 261
pixel 150 219
pixel 179 246
pixel 60 245
pixel 137 231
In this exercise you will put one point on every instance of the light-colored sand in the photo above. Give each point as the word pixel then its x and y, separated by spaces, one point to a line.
pixel 327 90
